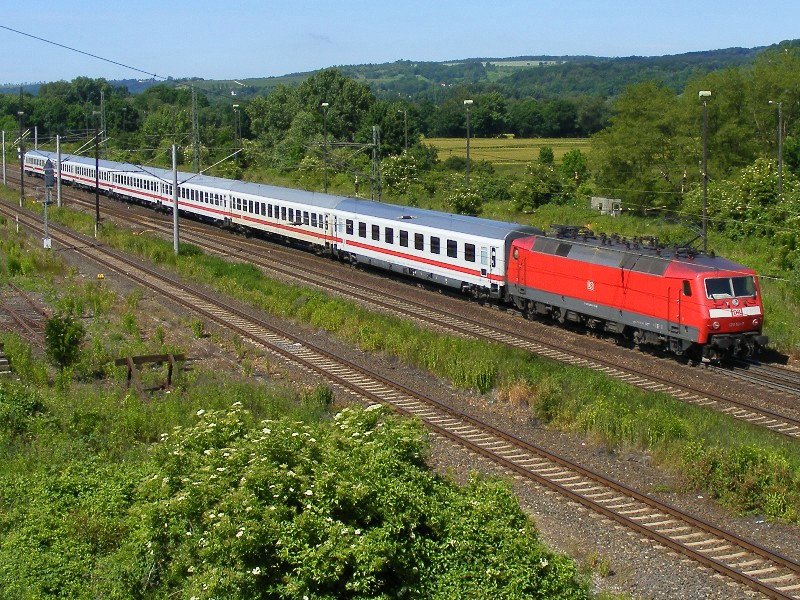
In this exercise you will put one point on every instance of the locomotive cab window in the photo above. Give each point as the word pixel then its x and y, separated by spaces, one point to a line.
pixel 687 288
pixel 730 287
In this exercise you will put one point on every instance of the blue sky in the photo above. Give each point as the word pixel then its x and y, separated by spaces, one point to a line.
pixel 217 40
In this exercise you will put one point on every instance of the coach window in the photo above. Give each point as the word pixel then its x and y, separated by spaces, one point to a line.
pixel 469 252
pixel 687 287
pixel 348 227
pixel 305 217
pixel 362 229
pixel 419 241
pixel 269 210
pixel 388 235
pixel 283 213
pixel 313 219
pixel 435 245
pixel 404 238
pixel 376 232
pixel 263 210
pixel 452 248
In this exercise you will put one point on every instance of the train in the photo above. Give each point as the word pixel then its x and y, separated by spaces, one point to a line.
pixel 688 303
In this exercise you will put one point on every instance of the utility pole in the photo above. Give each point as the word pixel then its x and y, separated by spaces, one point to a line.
pixel 780 146
pixel 58 170
pixel 103 118
pixel 21 115
pixel 195 135
pixel 4 157
pixel 705 94
pixel 48 187
pixel 405 126
pixel 175 199
pixel 96 175
pixel 467 104
pixel 35 137
pixel 376 165
pixel 325 143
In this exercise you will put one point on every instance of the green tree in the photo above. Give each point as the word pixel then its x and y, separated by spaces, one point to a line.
pixel 525 118
pixel 490 115
pixel 541 185
pixel 271 116
pixel 348 102
pixel 574 167
pixel 643 155
pixel 63 337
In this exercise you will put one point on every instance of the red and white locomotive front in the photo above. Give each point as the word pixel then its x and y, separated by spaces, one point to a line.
pixel 735 315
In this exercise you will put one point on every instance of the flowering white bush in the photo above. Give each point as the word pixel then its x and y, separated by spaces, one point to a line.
pixel 236 508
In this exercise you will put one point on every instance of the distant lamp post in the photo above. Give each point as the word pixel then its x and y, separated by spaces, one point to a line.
pixel 237 126
pixel 780 146
pixel 405 125
pixel 467 104
pixel 325 106
pixel 704 95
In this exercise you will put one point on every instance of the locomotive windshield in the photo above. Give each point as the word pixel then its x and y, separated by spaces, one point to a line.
pixel 730 287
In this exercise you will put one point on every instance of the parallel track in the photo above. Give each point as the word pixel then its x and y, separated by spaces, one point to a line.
pixel 770 573
pixel 21 314
pixel 432 317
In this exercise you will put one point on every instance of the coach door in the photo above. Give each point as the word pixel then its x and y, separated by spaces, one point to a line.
pixel 330 233
pixel 485 265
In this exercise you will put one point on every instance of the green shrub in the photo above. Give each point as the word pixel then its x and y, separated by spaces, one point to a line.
pixel 63 336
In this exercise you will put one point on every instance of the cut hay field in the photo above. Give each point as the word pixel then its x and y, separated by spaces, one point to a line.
pixel 506 151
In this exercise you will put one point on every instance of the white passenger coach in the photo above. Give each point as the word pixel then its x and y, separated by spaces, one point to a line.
pixel 457 251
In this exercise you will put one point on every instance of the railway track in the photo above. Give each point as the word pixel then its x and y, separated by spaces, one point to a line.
pixel 742 560
pixel 765 375
pixel 215 241
pixel 21 314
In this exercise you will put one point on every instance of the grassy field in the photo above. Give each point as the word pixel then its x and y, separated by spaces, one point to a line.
pixel 506 151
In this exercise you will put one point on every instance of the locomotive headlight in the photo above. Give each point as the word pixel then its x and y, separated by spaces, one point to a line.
pixel 715 325
pixel 756 322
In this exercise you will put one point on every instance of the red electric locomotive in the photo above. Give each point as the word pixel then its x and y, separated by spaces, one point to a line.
pixel 687 302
